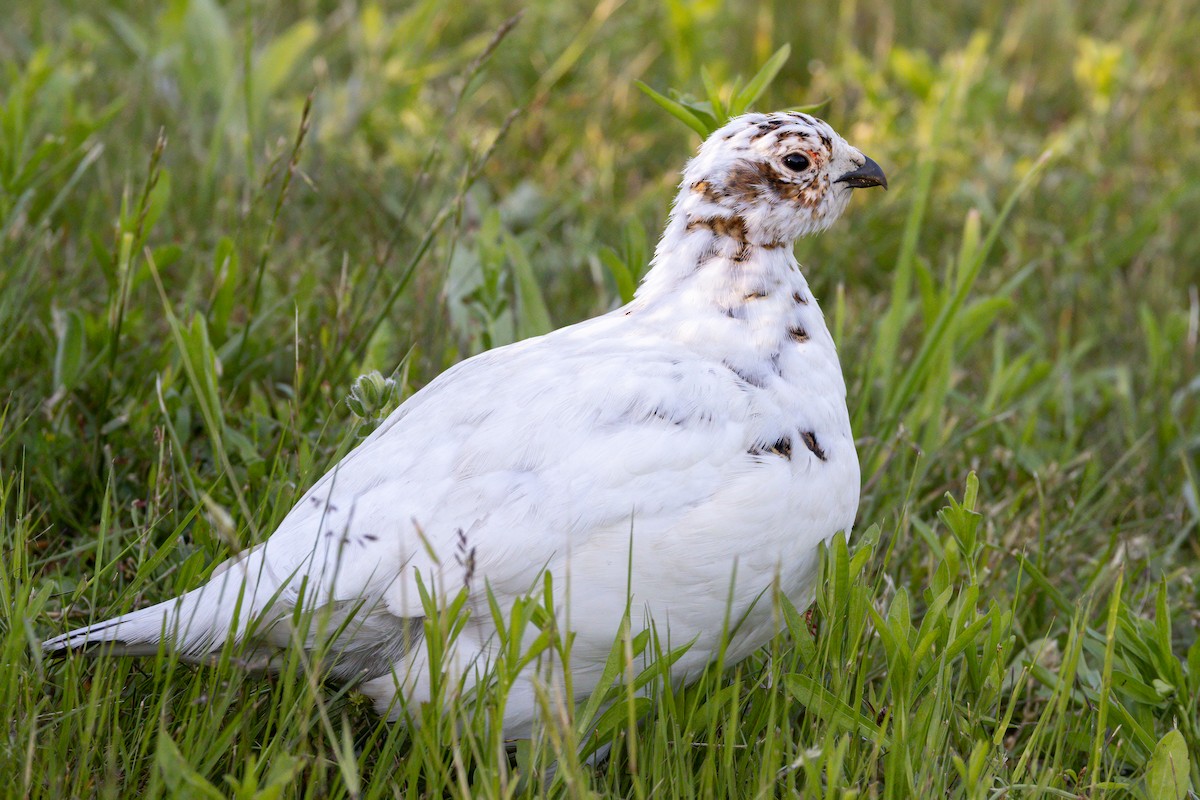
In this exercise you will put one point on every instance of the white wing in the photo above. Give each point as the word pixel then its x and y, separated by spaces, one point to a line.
pixel 548 453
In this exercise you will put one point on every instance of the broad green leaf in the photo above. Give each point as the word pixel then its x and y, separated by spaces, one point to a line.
pixel 965 638
pixel 1044 583
pixel 798 626
pixel 660 667
pixel 1193 665
pixel 201 365
pixel 279 58
pixel 180 776
pixel 714 94
pixel 533 318
pixel 1167 776
pixel 677 110
pixel 608 676
pixel 226 279
pixel 759 83
pixel 626 285
pixel 70 353
pixel 929 632
pixel 832 709
pixel 616 716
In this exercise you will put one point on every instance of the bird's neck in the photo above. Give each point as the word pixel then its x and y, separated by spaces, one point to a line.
pixel 726 295
pixel 713 259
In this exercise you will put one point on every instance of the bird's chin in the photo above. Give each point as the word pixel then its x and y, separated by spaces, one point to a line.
pixel 818 223
pixel 834 208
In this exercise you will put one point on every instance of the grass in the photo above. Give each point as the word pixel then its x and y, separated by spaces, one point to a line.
pixel 199 262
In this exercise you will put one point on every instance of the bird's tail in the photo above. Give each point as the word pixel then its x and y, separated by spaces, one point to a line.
pixel 248 603
pixel 137 633
pixel 194 624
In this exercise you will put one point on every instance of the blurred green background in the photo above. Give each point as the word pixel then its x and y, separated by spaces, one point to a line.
pixel 195 269
pixel 1095 269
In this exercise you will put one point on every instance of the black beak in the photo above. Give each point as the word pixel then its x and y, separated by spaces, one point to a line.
pixel 869 174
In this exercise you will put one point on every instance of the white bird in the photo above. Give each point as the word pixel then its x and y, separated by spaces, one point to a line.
pixel 686 453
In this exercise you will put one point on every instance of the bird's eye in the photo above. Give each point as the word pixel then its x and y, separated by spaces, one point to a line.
pixel 796 162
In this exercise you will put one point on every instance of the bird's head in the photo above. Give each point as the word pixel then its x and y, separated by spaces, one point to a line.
pixel 774 177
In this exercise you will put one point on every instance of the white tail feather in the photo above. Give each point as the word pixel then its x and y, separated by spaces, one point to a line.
pixel 366 638
pixel 183 622
pixel 194 624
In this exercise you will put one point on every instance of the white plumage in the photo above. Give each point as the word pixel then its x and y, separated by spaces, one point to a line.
pixel 686 451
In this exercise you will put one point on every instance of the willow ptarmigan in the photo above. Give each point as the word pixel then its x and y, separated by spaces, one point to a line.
pixel 685 453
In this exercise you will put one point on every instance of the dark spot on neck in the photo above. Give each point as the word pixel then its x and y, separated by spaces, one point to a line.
pixel 798 333
pixel 748 179
pixel 810 441
pixel 733 227
pixel 726 231
pixel 782 447
pixel 799 298
pixel 706 190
